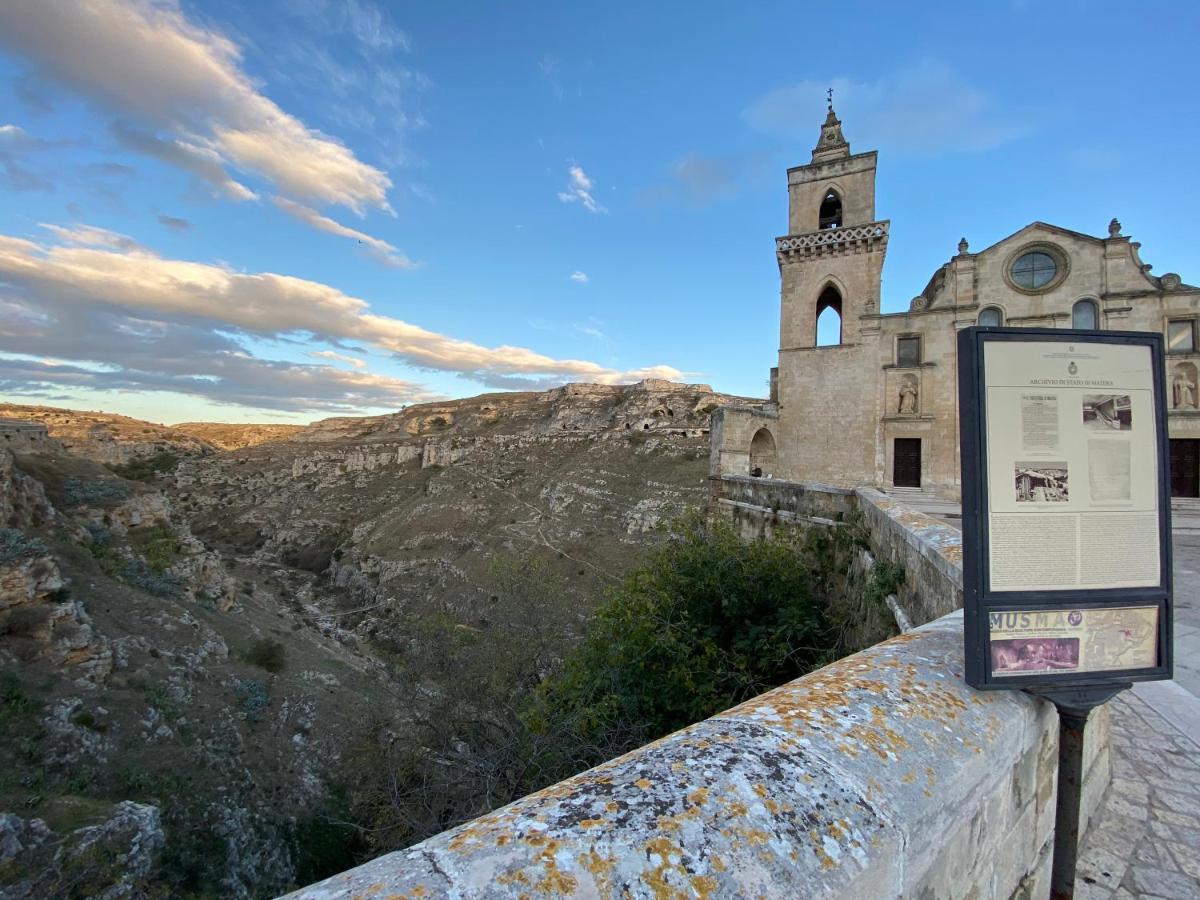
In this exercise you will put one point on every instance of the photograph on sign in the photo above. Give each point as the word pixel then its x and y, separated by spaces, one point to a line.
pixel 1072 477
pixel 1077 641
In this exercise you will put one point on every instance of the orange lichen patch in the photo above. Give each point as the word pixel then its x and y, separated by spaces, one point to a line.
pixel 644 783
pixel 502 839
pixel 517 877
pixel 699 796
pixel 909 777
pixel 931 775
pixel 554 882
pixel 827 861
pixel 601 869
pixel 761 790
pixel 717 863
pixel 657 878
pixel 704 885
pixel 612 806
pixel 591 823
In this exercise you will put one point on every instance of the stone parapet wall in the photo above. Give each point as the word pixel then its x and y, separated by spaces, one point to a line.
pixel 782 501
pixel 929 551
pixel 880 775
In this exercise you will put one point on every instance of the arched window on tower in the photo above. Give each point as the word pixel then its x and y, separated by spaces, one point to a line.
pixel 1084 315
pixel 829 317
pixel 831 210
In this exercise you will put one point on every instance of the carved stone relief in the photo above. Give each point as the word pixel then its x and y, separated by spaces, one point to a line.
pixel 1183 386
pixel 907 405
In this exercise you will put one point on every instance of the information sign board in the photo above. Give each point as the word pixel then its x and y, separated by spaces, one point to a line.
pixel 1066 512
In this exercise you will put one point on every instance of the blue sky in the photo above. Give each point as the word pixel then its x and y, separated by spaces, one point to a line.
pixel 281 211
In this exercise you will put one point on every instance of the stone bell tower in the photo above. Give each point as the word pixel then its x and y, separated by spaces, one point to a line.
pixel 829 262
pixel 832 256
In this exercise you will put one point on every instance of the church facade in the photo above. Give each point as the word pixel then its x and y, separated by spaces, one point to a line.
pixel 878 404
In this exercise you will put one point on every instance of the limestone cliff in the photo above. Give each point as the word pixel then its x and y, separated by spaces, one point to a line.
pixel 182 658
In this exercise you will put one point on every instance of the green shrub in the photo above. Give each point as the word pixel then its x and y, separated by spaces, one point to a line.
pixel 148 467
pixel 85 492
pixel 252 695
pixel 158 545
pixel 16 545
pixel 138 573
pixel 267 654
pixel 14 704
pixel 705 622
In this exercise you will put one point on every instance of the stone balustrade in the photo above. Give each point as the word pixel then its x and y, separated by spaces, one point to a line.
pixel 833 240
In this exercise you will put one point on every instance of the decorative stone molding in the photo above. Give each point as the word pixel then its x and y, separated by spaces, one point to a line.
pixel 851 239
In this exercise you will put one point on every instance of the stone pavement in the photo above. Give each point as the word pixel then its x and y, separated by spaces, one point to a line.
pixel 1145 841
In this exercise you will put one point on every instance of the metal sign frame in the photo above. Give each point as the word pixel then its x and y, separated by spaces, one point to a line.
pixel 978 598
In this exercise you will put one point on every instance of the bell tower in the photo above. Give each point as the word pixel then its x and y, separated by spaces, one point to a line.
pixel 832 256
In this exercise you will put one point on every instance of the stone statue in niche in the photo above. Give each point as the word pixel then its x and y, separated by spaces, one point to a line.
pixel 908 396
pixel 1183 387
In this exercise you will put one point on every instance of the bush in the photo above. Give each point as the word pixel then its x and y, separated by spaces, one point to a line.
pixel 705 622
pixel 267 654
pixel 252 695
pixel 83 492
pixel 158 545
pixel 139 574
pixel 16 545
pixel 148 467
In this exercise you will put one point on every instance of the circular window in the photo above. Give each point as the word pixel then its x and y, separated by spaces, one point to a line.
pixel 1034 270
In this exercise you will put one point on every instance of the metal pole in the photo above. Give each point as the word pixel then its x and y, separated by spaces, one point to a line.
pixel 1072 721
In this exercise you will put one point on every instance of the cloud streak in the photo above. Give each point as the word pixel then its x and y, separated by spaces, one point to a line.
pixel 378 248
pixel 147 63
pixel 124 293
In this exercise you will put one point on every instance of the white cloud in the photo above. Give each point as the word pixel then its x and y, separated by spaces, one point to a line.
pixel 380 249
pixel 925 110
pixel 340 357
pixel 140 285
pixel 579 277
pixel 203 162
pixel 145 61
pixel 11 132
pixel 91 236
pixel 579 190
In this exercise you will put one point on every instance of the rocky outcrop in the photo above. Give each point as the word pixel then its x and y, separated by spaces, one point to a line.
pixel 110 861
pixel 23 502
pixel 105 437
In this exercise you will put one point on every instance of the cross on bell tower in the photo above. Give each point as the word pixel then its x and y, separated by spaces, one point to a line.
pixel 832 143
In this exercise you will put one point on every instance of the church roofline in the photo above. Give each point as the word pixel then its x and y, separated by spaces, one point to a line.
pixel 1058 229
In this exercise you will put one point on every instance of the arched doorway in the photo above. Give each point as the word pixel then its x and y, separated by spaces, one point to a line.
pixel 762 454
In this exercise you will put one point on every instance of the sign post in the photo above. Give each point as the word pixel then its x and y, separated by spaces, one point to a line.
pixel 1066 528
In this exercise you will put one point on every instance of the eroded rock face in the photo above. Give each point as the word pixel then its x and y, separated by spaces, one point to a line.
pixel 325 545
pixel 105 437
pixel 23 502
pixel 114 860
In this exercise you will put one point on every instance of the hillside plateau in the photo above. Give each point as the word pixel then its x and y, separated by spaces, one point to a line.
pixel 186 657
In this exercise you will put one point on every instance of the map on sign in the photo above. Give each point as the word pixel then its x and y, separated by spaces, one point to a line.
pixel 1032 642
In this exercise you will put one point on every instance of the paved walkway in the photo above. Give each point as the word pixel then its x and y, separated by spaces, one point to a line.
pixel 1146 840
